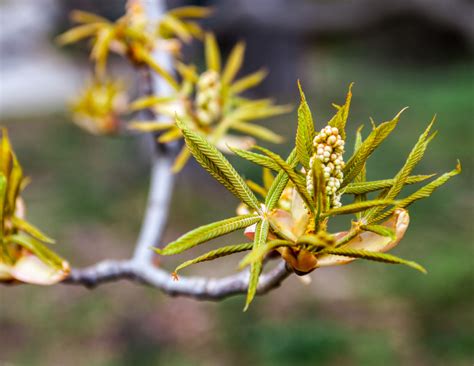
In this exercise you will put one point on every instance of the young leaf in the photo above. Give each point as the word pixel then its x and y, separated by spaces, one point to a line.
pixel 181 160
pixel 317 242
pixel 280 182
pixel 361 177
pixel 3 196
pixel 261 233
pixel 356 207
pixel 305 131
pixel 172 134
pixel 258 159
pixel 423 192
pixel 149 126
pixel 150 61
pixel 340 118
pixel 257 131
pixel 31 230
pixel 38 248
pixel 256 188
pixel 234 63
pixel 217 253
pixel 191 12
pixel 359 188
pixel 357 162
pixel 259 253
pixel 176 26
pixel 298 181
pixel 268 178
pixel 413 159
pixel 319 188
pixel 207 232
pixel 79 16
pixel 149 102
pixel 248 82
pixel 373 256
pixel 213 55
pixel 77 33
pixel 380 230
pixel 100 50
pixel 218 166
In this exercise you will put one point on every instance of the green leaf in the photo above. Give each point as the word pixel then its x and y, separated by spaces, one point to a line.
pixel 213 55
pixel 150 126
pixel 3 196
pixel 38 248
pixel 257 131
pixel 174 133
pixel 31 230
pixel 268 178
pixel 361 177
pixel 249 110
pixel 400 179
pixel 150 61
pixel 340 118
pixel 258 254
pixel 78 33
pixel 207 232
pixel 357 162
pixel 181 160
pixel 359 188
pixel 217 253
pixel 187 72
pixel 248 82
pixel 319 188
pixel 191 12
pixel 298 181
pixel 100 50
pixel 234 63
pixel 14 184
pixel 423 192
pixel 305 131
pixel 380 230
pixel 356 207
pixel 149 101
pixel 373 256
pixel 218 166
pixel 258 159
pixel 280 182
pixel 176 26
pixel 79 16
pixel 256 188
pixel 261 233
pixel 314 243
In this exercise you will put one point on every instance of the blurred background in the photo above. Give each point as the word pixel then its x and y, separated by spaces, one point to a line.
pixel 89 192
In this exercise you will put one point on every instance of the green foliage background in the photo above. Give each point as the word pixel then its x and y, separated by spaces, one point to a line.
pixel 89 194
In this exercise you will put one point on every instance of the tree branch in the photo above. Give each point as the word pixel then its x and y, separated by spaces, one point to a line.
pixel 196 287
pixel 140 267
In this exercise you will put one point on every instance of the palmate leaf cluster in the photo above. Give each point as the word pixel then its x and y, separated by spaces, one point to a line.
pixel 24 255
pixel 209 102
pixel 225 111
pixel 103 102
pixel 290 216
pixel 134 35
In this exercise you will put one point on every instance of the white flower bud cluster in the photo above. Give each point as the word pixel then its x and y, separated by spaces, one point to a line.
pixel 329 147
pixel 208 91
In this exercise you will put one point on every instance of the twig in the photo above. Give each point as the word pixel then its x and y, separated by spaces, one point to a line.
pixel 196 287
pixel 140 267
